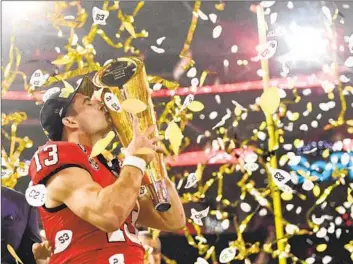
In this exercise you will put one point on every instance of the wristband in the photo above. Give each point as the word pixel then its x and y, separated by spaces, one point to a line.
pixel 135 162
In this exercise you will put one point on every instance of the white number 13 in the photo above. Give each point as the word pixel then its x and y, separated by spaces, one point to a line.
pixel 51 160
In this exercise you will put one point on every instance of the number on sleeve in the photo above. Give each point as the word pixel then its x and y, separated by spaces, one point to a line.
pixel 52 157
pixel 118 235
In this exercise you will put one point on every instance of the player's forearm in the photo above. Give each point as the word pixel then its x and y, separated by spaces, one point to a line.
pixel 119 199
pixel 174 218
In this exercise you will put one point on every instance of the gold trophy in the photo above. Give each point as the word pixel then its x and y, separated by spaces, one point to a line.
pixel 125 78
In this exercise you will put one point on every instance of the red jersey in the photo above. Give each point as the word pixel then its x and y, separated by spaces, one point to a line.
pixel 73 239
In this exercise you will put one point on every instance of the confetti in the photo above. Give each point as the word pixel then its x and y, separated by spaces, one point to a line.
pixel 99 16
pixel 349 62
pixel 201 261
pixel 191 181
pixel 217 31
pixel 13 254
pixel 273 17
pixel 36 195
pixel 213 18
pixel 133 106
pixel 62 240
pixel 267 4
pixel 102 144
pixel 197 216
pixel 112 102
pixel 267 51
pixel 157 50
pixel 227 255
pixel 195 106
pixel 269 100
pixel 160 40
pixel 175 136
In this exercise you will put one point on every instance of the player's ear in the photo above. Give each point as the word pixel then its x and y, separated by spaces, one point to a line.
pixel 70 122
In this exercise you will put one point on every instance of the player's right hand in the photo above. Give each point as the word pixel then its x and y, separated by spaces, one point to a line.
pixel 142 145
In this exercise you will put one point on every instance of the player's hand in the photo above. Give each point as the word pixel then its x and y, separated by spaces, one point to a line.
pixel 42 252
pixel 142 145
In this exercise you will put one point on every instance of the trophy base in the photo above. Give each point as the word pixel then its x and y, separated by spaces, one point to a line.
pixel 162 206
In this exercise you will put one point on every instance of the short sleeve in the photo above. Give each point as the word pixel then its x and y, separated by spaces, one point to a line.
pixel 54 157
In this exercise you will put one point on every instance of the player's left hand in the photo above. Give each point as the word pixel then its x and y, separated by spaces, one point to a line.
pixel 42 252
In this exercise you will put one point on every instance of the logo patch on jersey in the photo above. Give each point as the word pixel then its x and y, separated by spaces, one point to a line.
pixel 82 148
pixel 117 259
pixel 93 163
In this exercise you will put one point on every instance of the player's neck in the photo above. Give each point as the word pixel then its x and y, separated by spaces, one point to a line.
pixel 84 139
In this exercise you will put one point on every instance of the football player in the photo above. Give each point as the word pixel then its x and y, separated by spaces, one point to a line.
pixel 89 215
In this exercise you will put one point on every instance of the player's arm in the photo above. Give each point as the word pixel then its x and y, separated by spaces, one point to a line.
pixel 106 208
pixel 171 220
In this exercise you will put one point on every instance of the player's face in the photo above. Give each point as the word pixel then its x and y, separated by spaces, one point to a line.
pixel 91 116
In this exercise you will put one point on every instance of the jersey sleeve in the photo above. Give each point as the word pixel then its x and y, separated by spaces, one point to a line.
pixel 54 157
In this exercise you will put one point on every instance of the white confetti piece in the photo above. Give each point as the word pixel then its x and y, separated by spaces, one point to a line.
pixel 197 216
pixel 234 49
pixel 38 78
pixel 218 99
pixel 289 207
pixel 250 167
pixel 344 79
pixel 112 102
pixel 273 17
pixel 213 18
pixel 280 177
pixel 294 160
pixel 267 51
pixel 117 259
pixel 194 82
pixel 349 62
pixel 327 13
pixel 157 50
pixel 99 16
pixel 188 99
pixel 331 228
pixel 36 195
pixel 191 181
pixel 227 254
pixel 263 212
pixel 245 207
pixel 340 209
pixel 298 210
pixel 303 127
pixel 314 124
pixel 201 261
pixel 266 4
pixel 308 185
pixel 291 229
pixel 338 232
pixel 326 259
pixel 213 115
pixel 191 73
pixel 310 260
pixel 250 157
pixel 157 86
pixel 290 5
pixel 321 233
pixel 160 40
pixel 202 15
pixel 338 220
pixel 217 31
pixel 62 240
